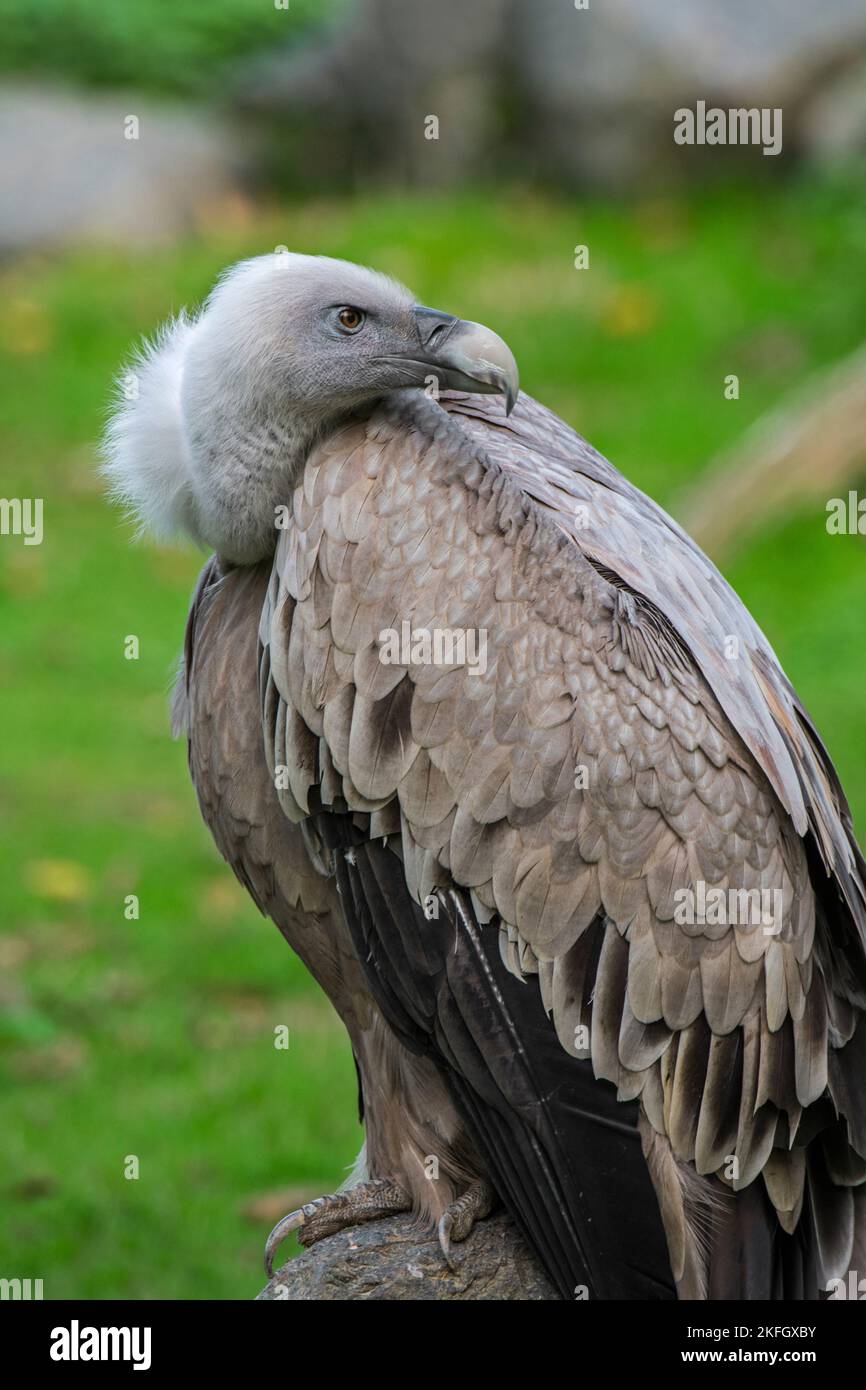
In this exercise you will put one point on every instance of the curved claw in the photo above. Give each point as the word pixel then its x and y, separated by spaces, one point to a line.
pixel 283 1228
pixel 446 1221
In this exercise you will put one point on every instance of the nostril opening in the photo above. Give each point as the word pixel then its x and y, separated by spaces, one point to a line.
pixel 433 327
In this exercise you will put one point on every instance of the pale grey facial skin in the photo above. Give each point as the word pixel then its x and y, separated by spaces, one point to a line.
pixel 230 405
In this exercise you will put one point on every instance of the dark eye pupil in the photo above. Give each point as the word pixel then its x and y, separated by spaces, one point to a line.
pixel 350 318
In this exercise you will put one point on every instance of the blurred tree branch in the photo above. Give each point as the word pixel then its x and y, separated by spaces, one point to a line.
pixel 807 450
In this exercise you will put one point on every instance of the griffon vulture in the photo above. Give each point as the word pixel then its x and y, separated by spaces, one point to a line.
pixel 520 780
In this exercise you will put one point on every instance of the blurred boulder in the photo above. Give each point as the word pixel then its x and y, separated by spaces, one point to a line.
pixel 835 131
pixel 80 167
pixel 395 1260
pixel 544 89
pixel 355 103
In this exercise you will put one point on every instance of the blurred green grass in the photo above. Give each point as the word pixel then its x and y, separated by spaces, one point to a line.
pixel 155 1037
pixel 188 51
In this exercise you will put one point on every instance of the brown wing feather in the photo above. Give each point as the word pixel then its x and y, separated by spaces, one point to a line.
pixel 408 1112
pixel 593 767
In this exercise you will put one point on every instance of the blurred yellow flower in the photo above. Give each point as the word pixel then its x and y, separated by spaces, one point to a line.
pixel 26 327
pixel 629 312
pixel 61 880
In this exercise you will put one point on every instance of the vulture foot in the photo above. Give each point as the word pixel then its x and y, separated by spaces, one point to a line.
pixel 367 1201
pixel 457 1221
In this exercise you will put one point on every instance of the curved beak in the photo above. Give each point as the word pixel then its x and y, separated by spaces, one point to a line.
pixel 461 355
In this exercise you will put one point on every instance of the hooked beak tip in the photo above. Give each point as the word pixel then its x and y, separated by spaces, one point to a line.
pixel 468 356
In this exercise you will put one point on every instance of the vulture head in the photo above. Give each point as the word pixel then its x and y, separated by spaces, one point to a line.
pixel 218 414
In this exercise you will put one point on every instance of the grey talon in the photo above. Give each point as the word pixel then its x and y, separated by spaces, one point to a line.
pixel 283 1228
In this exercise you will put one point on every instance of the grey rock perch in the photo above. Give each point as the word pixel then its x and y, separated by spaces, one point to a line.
pixel 393 1259
pixel 579 98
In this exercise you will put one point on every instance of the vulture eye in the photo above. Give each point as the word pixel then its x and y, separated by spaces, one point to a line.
pixel 350 319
